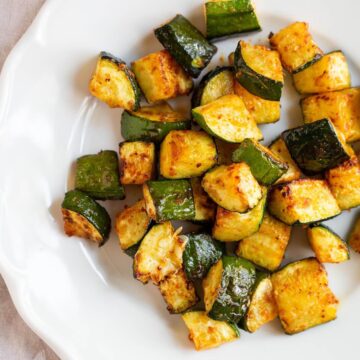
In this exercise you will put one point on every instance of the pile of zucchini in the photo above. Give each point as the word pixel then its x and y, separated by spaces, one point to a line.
pixel 210 169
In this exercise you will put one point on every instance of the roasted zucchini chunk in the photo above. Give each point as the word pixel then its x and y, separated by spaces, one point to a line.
pixel 160 77
pixel 302 296
pixel 186 44
pixel 159 254
pixel 137 162
pixel 215 84
pixel 228 119
pixel 178 292
pixel 327 246
pixel 265 165
pixel 296 46
pixel 234 226
pixel 98 176
pixel 329 73
pixel 341 107
pixel 204 207
pixel 233 187
pixel 354 240
pixel 315 147
pixel 229 17
pixel 131 224
pixel 227 288
pixel 200 254
pixel 344 182
pixel 263 111
pixel 262 308
pixel 266 247
pixel 152 123
pixel 258 69
pixel 169 200
pixel 207 333
pixel 303 201
pixel 279 148
pixel 85 218
pixel 114 83
pixel 186 153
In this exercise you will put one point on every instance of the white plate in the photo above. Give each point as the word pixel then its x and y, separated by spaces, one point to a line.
pixel 82 300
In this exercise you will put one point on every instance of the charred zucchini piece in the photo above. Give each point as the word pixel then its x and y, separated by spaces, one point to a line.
pixel 265 165
pixel 262 308
pixel 263 111
pixel 84 217
pixel 279 148
pixel 315 147
pixel 266 247
pixel 137 162
pixel 225 150
pixel 354 240
pixel 227 288
pixel 160 77
pixel 132 224
pixel 114 83
pixel 229 17
pixel 228 119
pixel 258 69
pixel 204 206
pixel 186 44
pixel 186 153
pixel 329 73
pixel 200 254
pixel 303 296
pixel 178 292
pixel 296 46
pixel 159 254
pixel 169 200
pixel 234 226
pixel 98 176
pixel 233 187
pixel 207 333
pixel 303 201
pixel 152 123
pixel 341 107
pixel 327 246
pixel 344 182
pixel 215 84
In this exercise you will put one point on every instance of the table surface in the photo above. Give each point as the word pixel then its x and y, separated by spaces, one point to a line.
pixel 17 341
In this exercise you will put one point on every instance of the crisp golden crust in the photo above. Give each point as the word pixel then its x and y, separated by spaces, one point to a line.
pixel 295 46
pixel 131 224
pixel 204 206
pixel 303 296
pixel 212 284
pixel 160 77
pixel 354 240
pixel 207 333
pixel 178 159
pixel 178 292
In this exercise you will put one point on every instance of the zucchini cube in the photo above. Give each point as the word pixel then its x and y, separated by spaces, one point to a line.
pixel 354 239
pixel 316 147
pixel 114 83
pixel 178 159
pixel 204 207
pixel 98 176
pixel 303 296
pixel 137 162
pixel 160 77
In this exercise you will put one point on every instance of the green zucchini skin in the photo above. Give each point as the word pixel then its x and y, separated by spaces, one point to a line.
pixel 173 199
pixel 135 128
pixel 186 44
pixel 315 147
pixel 201 252
pixel 98 176
pixel 309 63
pixel 226 18
pixel 84 205
pixel 238 279
pixel 211 76
pixel 131 251
pixel 265 168
pixel 253 82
